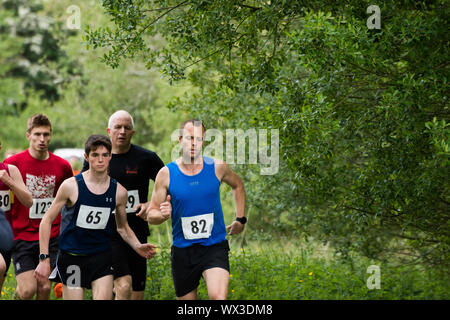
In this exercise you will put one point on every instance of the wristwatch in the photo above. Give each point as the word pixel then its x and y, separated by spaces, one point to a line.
pixel 242 220
pixel 43 256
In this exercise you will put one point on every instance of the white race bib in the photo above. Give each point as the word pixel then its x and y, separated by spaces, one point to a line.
pixel 133 201
pixel 197 227
pixel 93 217
pixel 40 207
pixel 5 200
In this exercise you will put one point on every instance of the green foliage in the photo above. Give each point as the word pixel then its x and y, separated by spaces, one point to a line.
pixel 276 272
pixel 363 114
pixel 90 92
pixel 32 58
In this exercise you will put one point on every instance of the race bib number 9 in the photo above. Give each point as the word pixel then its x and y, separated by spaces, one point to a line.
pixel 93 217
pixel 5 200
pixel 197 227
pixel 133 201
pixel 40 207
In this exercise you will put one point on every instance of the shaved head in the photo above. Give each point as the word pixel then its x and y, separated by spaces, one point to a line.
pixel 120 114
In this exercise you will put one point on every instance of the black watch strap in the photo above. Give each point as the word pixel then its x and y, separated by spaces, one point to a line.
pixel 242 220
pixel 43 256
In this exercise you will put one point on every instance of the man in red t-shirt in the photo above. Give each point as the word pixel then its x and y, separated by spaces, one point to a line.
pixel 43 173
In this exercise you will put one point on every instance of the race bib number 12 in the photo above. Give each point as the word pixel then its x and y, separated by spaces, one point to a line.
pixel 40 207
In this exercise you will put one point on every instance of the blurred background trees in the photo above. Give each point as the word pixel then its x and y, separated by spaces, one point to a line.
pixel 362 113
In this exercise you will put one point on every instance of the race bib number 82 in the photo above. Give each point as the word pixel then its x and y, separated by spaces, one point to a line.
pixel 197 227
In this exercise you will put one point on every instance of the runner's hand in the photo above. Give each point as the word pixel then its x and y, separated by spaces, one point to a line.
pixel 166 208
pixel 42 271
pixel 235 228
pixel 142 207
pixel 146 250
pixel 4 176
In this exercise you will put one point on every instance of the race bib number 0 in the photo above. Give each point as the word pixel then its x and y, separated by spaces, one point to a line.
pixel 197 227
pixel 40 207
pixel 133 201
pixel 5 200
pixel 93 217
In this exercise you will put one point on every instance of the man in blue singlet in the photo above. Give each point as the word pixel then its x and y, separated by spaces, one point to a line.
pixel 191 185
pixel 85 258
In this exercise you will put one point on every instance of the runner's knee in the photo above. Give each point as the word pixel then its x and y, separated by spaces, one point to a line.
pixel 217 295
pixel 25 292
pixel 122 286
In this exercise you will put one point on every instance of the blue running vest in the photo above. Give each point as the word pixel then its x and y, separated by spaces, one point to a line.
pixel 87 226
pixel 197 215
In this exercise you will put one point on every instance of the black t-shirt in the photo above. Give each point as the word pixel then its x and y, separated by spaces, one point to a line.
pixel 133 170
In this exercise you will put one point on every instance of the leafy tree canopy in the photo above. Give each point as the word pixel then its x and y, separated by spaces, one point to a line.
pixel 363 113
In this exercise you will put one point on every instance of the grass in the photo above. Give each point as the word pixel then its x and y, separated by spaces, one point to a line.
pixel 290 270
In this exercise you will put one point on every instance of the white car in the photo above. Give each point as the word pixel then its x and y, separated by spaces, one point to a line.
pixel 69 153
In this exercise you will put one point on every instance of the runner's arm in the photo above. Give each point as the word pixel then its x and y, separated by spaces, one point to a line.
pixel 237 186
pixel 62 197
pixel 160 208
pixel 15 182
pixel 225 174
pixel 145 250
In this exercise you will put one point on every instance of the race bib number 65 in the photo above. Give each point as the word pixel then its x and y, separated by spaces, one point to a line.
pixel 197 227
pixel 93 217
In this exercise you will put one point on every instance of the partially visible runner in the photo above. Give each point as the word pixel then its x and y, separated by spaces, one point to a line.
pixel 6 242
pixel 85 259
pixel 133 167
pixel 10 183
pixel 191 185
pixel 43 173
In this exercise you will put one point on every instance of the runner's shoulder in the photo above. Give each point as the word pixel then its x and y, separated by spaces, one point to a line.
pixel 70 184
pixel 143 152
pixel 163 175
pixel 220 164
pixel 121 193
pixel 16 157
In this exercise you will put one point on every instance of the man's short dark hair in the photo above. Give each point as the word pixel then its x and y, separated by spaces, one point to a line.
pixel 195 122
pixel 95 141
pixel 38 120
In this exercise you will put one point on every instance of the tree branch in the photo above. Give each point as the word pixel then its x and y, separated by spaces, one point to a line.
pixel 153 22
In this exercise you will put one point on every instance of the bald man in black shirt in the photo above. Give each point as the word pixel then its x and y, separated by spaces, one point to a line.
pixel 133 167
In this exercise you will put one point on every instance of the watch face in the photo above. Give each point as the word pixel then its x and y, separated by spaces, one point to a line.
pixel 242 220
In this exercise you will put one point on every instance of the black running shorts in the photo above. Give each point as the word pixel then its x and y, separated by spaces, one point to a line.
pixel 81 270
pixel 25 254
pixel 189 263
pixel 126 261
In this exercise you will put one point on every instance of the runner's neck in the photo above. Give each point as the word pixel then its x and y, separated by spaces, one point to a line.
pixel 39 155
pixel 120 149
pixel 96 178
pixel 190 167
